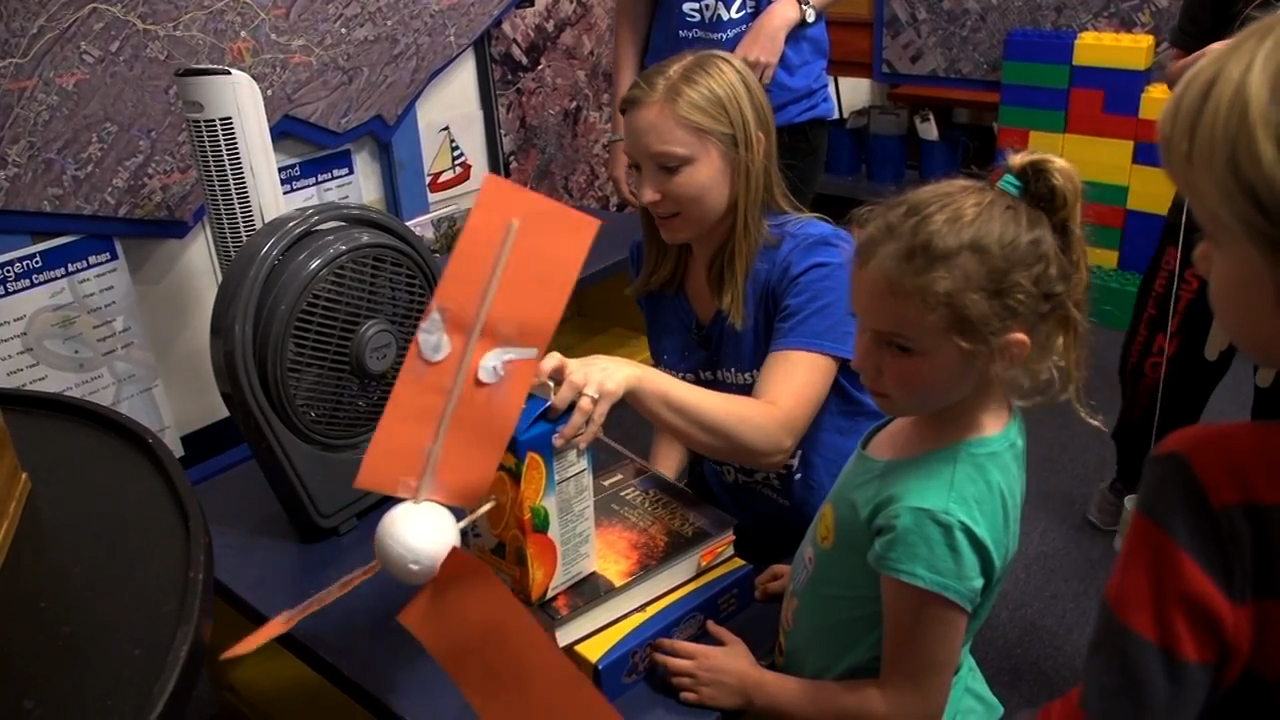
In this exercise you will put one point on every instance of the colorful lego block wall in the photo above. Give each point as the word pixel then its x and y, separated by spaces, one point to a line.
pixel 1088 97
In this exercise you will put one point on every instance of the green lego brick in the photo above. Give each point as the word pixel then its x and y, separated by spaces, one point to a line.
pixel 1112 294
pixel 1051 121
pixel 1036 75
pixel 1106 194
pixel 1103 237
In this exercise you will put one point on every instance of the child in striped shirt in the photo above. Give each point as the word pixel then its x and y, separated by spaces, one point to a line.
pixel 1190 627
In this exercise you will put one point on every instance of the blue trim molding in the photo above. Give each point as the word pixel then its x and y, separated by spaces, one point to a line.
pixel 408 168
pixel 10 243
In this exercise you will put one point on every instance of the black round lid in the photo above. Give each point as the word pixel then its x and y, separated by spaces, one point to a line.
pixel 106 591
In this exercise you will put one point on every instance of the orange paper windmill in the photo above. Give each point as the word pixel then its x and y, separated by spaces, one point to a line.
pixel 454 406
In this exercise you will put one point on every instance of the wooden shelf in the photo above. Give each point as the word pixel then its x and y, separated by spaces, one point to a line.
pixel 850 27
pixel 946 97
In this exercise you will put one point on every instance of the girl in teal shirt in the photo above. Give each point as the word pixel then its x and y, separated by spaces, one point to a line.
pixel 970 299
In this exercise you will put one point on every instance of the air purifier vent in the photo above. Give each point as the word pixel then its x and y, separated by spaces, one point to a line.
pixel 230 136
pixel 231 207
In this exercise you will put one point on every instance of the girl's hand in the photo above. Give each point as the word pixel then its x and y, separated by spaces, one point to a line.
pixel 773 582
pixel 717 676
pixel 592 385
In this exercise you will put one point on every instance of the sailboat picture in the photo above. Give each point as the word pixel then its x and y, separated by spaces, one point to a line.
pixel 450 167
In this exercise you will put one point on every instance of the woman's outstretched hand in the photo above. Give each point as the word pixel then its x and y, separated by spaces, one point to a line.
pixel 593 385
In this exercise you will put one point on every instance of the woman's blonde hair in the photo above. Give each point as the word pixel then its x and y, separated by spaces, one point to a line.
pixel 988 262
pixel 715 94
pixel 1220 135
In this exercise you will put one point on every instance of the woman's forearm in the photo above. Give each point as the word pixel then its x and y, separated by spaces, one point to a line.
pixel 667 455
pixel 1177 67
pixel 731 428
pixel 631 20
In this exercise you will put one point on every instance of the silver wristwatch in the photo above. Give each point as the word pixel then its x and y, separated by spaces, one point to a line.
pixel 808 13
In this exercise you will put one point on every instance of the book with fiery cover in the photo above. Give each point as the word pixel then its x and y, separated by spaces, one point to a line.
pixel 651 536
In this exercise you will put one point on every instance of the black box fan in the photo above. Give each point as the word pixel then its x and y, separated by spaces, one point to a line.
pixel 310 326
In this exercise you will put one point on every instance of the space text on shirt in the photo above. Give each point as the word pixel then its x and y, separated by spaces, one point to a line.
pixel 729 376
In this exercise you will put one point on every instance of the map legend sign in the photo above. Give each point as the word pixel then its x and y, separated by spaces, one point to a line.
pixel 69 324
pixel 321 178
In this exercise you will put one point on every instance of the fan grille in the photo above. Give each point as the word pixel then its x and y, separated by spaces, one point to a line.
pixel 328 397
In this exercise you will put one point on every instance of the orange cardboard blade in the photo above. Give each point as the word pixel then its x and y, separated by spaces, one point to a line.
pixel 496 653
pixel 545 258
pixel 284 622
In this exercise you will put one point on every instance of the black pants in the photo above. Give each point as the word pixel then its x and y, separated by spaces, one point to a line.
pixel 1190 377
pixel 802 155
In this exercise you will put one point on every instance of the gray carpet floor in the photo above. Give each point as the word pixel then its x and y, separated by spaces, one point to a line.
pixel 1032 645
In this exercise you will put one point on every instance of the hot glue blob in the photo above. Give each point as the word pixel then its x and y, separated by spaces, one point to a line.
pixel 413 539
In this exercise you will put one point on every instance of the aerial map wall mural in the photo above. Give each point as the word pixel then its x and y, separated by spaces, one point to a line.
pixel 963 39
pixel 553 75
pixel 89 122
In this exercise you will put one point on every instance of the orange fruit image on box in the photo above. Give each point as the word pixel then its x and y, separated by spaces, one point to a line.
pixel 540 535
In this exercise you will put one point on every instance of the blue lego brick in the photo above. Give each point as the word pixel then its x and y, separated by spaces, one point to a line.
pixel 1145 153
pixel 1138 244
pixel 1121 89
pixel 1051 47
pixel 1034 98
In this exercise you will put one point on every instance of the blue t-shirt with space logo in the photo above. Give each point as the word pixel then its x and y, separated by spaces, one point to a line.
pixel 798 298
pixel 799 90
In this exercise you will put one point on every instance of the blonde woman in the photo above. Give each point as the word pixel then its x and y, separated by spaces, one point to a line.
pixel 747 309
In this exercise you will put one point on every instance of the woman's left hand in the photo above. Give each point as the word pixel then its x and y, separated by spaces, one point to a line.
pixel 595 383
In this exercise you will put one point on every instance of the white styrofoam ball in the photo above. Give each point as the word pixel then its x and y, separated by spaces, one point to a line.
pixel 413 539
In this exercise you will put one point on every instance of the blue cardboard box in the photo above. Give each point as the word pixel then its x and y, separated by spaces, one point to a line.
pixel 618 657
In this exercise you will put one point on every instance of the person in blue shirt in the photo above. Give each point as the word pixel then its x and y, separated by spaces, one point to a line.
pixel 746 305
pixel 785 44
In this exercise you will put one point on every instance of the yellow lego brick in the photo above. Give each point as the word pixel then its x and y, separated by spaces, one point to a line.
pixel 1104 258
pixel 1045 142
pixel 1150 190
pixel 1101 160
pixel 1122 51
pixel 1084 147
pixel 1154 98
pixel 1101 172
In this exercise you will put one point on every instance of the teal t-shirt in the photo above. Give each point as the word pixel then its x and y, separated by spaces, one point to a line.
pixel 946 521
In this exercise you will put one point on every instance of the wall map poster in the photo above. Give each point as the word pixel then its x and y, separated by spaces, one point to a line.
pixel 69 324
pixel 553 74
pixel 89 120
pixel 964 39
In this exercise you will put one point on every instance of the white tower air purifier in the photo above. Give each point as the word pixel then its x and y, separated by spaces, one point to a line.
pixel 231 140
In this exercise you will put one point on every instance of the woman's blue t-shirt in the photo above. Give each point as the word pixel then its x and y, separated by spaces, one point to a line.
pixel 798 298
pixel 799 90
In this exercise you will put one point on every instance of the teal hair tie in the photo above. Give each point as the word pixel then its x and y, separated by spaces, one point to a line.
pixel 1010 184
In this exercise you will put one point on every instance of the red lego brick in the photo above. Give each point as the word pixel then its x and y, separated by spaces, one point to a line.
pixel 1108 216
pixel 1086 117
pixel 1146 132
pixel 1015 139
pixel 1085 100
pixel 1103 126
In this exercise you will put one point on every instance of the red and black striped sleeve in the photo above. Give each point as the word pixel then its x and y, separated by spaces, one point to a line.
pixel 1177 627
